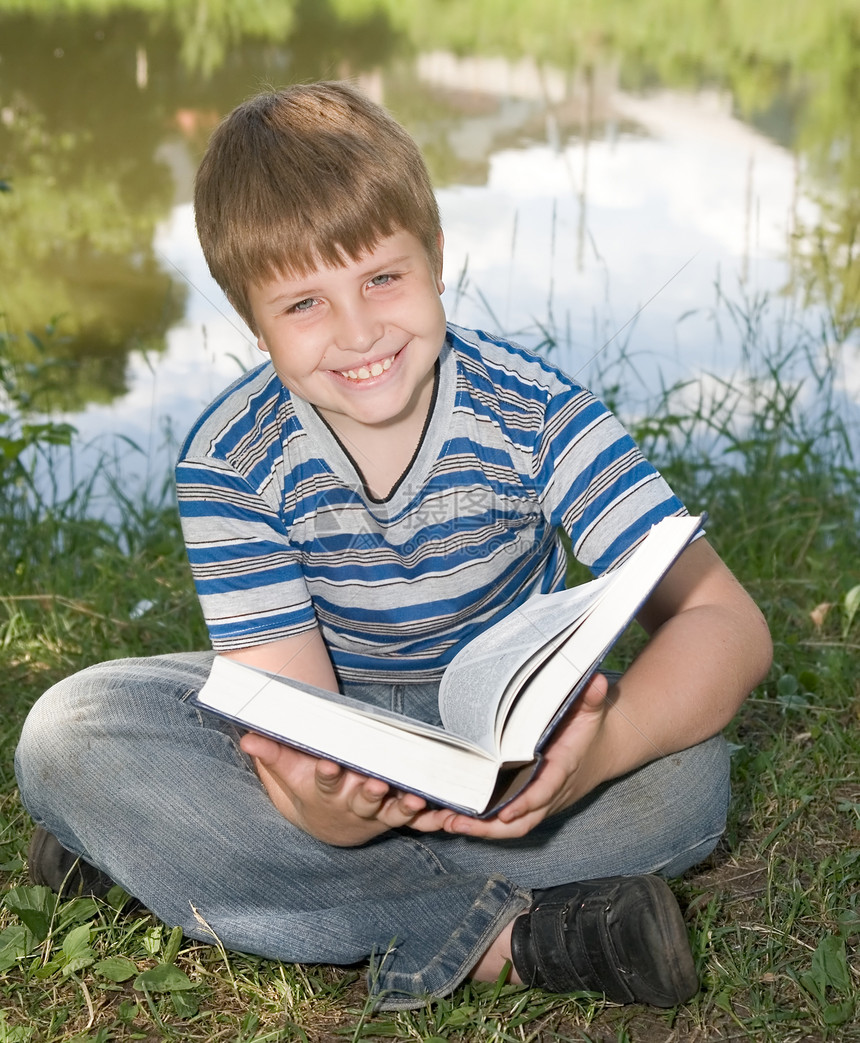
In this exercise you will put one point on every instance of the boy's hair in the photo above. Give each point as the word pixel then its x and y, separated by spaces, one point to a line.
pixel 308 175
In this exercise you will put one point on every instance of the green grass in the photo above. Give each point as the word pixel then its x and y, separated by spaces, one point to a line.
pixel 774 914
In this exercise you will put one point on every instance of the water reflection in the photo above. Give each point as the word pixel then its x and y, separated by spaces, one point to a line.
pixel 579 212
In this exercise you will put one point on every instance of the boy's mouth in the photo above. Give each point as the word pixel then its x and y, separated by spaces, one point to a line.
pixel 375 369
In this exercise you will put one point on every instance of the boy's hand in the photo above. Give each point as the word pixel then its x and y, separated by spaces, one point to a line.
pixel 571 768
pixel 329 802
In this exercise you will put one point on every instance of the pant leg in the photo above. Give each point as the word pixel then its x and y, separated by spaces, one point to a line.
pixel 663 818
pixel 119 764
pixel 124 770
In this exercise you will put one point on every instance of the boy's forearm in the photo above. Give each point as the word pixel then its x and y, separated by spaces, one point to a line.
pixel 687 684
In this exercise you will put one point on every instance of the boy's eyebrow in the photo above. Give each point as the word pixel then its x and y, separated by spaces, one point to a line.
pixel 393 262
pixel 385 264
pixel 303 290
pixel 281 298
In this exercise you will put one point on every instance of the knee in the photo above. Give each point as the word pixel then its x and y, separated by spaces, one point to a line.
pixel 83 724
pixel 78 702
pixel 56 730
pixel 700 796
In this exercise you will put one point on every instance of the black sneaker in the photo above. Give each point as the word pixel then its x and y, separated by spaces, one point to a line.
pixel 49 863
pixel 622 936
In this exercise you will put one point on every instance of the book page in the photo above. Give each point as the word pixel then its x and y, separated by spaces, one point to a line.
pixel 483 678
pixel 243 701
pixel 546 693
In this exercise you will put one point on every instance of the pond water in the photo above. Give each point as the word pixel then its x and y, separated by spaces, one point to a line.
pixel 615 210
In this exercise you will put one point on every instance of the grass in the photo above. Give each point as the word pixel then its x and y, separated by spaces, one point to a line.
pixel 775 912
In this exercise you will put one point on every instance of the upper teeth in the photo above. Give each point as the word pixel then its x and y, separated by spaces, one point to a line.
pixel 373 370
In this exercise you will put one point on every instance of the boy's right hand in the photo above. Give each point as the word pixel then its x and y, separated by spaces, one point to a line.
pixel 327 801
pixel 330 802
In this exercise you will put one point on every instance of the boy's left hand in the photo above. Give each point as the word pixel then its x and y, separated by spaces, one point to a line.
pixel 571 768
pixel 708 647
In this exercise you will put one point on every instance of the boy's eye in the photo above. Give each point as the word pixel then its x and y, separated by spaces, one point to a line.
pixel 382 280
pixel 304 305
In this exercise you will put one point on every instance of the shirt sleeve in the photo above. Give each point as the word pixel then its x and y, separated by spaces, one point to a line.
pixel 248 576
pixel 594 482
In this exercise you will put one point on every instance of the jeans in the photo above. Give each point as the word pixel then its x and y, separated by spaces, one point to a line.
pixel 119 764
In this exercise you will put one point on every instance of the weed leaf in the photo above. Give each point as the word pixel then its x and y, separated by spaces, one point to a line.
pixel 830 965
pixel 15 943
pixel 838 1013
pixel 76 942
pixel 19 1034
pixel 165 977
pixel 460 1016
pixel 102 1036
pixel 829 973
pixel 116 968
pixel 152 939
pixel 171 950
pixel 850 607
pixel 184 1005
pixel 77 953
pixel 34 907
pixel 77 911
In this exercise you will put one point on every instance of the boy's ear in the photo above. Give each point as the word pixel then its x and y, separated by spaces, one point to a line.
pixel 262 345
pixel 440 239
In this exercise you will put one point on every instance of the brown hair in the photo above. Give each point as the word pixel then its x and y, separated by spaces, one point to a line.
pixel 307 175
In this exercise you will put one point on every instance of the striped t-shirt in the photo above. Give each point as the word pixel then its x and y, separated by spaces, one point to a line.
pixel 282 535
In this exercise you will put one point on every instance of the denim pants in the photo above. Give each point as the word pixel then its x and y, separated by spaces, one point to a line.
pixel 119 764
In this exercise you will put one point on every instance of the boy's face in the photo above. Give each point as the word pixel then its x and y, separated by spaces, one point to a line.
pixel 360 341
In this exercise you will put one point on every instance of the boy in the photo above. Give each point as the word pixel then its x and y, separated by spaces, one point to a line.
pixel 354 510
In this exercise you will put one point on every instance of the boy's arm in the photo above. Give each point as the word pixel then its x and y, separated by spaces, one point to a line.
pixel 709 648
pixel 331 803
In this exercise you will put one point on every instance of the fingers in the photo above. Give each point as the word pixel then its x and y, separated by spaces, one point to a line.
pixel 432 820
pixel 557 783
pixel 263 748
pixel 332 778
pixel 329 776
pixel 594 693
pixel 375 799
pixel 367 797
pixel 494 828
pixel 328 787
pixel 401 809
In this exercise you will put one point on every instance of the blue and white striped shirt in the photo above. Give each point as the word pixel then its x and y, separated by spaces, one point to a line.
pixel 282 535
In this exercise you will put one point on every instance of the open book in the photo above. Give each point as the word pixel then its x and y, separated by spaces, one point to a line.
pixel 500 697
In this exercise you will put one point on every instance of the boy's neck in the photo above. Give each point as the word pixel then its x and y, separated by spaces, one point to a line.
pixel 382 453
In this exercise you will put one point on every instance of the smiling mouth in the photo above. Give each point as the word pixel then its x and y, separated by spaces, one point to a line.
pixel 375 369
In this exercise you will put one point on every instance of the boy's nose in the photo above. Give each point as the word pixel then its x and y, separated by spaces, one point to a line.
pixel 357 329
